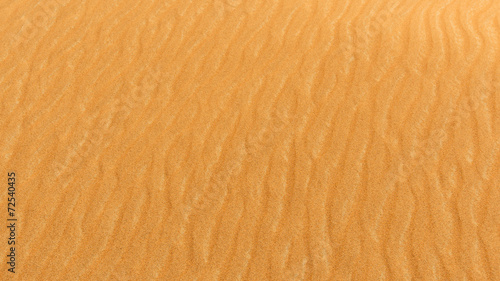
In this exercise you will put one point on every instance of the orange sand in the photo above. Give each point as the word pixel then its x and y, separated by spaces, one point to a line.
pixel 251 140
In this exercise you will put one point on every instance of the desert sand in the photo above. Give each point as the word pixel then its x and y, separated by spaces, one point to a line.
pixel 250 140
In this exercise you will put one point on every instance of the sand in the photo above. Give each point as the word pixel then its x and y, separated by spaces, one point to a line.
pixel 250 140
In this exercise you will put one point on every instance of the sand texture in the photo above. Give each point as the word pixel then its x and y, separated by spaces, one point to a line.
pixel 250 140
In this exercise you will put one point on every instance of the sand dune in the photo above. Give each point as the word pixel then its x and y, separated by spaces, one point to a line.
pixel 251 140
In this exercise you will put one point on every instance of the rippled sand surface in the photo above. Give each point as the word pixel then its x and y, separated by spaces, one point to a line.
pixel 251 140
